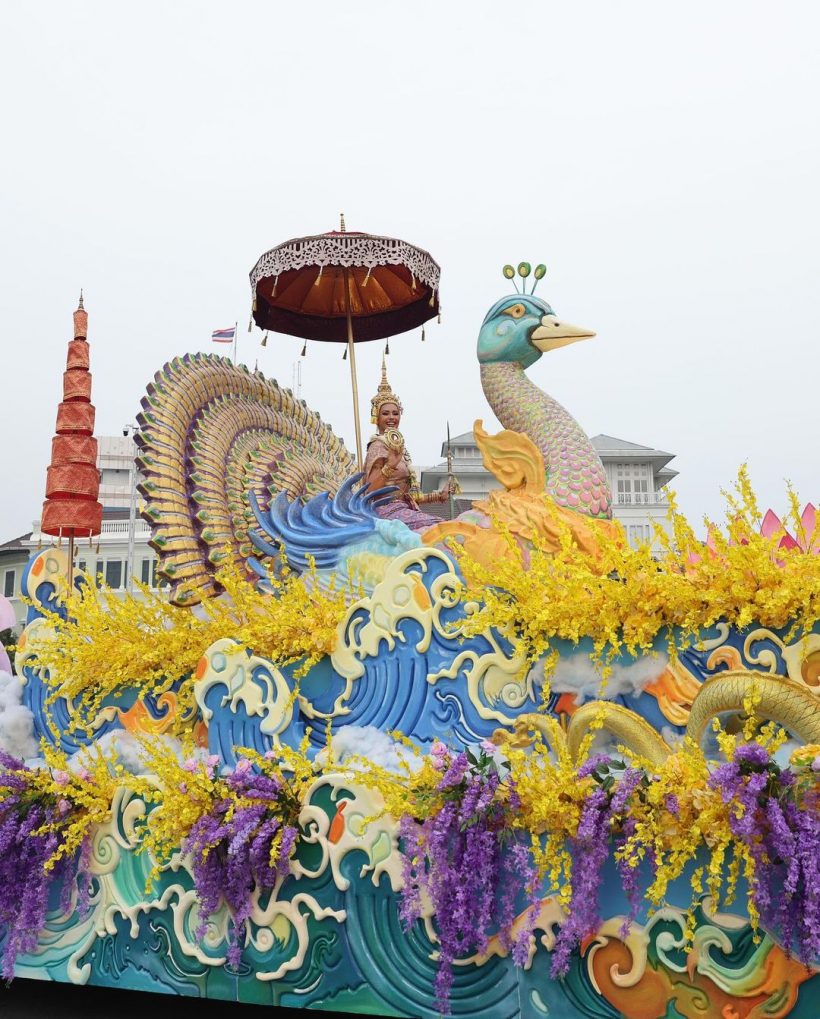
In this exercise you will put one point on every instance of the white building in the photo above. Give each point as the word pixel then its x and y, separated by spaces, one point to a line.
pixel 106 555
pixel 474 480
pixel 637 477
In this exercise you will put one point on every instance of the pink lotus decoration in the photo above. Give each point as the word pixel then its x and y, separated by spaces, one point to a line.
pixel 808 535
pixel 7 616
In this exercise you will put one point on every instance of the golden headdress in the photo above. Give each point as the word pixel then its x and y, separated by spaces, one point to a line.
pixel 384 394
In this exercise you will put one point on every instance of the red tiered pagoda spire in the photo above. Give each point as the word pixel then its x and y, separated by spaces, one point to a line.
pixel 71 509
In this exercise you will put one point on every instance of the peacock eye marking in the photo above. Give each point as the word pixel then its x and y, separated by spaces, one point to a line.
pixel 517 310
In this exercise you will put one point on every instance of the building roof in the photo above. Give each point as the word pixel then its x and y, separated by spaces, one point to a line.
pixel 15 545
pixel 607 446
pixel 610 448
pixel 465 439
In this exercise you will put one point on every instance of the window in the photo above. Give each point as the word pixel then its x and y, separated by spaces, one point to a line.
pixel 633 483
pixel 113 573
pixel 639 534
pixel 148 572
pixel 8 583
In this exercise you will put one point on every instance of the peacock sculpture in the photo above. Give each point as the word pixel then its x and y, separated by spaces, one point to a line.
pixel 225 451
pixel 515 333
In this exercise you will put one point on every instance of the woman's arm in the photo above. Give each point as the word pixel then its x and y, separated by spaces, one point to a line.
pixel 380 465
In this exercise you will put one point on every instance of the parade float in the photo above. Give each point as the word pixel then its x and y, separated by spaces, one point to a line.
pixel 354 757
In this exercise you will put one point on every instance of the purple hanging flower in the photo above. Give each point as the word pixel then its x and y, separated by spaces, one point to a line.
pixel 775 817
pixel 235 851
pixel 25 851
pixel 604 813
pixel 466 860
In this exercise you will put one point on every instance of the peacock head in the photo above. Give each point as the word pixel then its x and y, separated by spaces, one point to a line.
pixel 520 328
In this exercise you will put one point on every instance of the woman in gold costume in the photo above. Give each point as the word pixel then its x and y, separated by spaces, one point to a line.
pixel 388 463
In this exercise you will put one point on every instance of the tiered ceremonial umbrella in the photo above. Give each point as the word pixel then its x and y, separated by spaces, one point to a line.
pixel 318 287
pixel 71 509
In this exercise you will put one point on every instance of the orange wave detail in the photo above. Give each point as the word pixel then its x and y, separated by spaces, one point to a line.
pixel 771 991
pixel 139 719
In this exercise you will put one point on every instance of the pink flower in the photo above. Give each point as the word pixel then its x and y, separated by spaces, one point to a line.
pixel 61 777
pixel 183 788
pixel 488 747
pixel 243 767
pixel 213 761
pixel 815 764
pixel 190 765
pixel 270 755
pixel 63 806
pixel 440 756
pixel 84 774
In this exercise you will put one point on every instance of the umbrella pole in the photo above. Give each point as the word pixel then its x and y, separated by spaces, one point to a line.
pixel 71 562
pixel 351 356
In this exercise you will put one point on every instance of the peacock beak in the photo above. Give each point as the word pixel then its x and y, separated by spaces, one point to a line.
pixel 554 332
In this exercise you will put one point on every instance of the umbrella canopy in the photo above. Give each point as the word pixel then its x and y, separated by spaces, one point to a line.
pixel 345 287
pixel 299 287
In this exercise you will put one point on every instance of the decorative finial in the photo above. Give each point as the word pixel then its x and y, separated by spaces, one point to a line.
pixel 80 317
pixel 384 394
pixel 342 227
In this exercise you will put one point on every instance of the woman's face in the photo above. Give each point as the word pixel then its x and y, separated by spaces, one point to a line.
pixel 389 417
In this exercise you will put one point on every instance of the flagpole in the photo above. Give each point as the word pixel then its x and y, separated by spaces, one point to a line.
pixel 450 500
pixel 235 338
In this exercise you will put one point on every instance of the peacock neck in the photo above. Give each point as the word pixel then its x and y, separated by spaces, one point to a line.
pixel 575 475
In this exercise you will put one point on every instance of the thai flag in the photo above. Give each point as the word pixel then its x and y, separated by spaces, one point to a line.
pixel 223 335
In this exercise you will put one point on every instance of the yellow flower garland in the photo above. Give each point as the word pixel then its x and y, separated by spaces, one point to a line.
pixel 109 644
pixel 623 599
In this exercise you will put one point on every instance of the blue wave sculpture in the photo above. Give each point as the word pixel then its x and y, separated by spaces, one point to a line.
pixel 320 528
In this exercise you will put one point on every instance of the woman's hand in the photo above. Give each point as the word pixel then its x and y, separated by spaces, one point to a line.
pixel 394 458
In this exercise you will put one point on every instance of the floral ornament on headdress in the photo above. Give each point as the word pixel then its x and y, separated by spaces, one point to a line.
pixel 384 394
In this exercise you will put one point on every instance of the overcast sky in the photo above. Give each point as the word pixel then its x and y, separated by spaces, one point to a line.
pixel 663 161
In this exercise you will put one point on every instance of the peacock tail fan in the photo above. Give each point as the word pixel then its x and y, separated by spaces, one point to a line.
pixel 211 435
